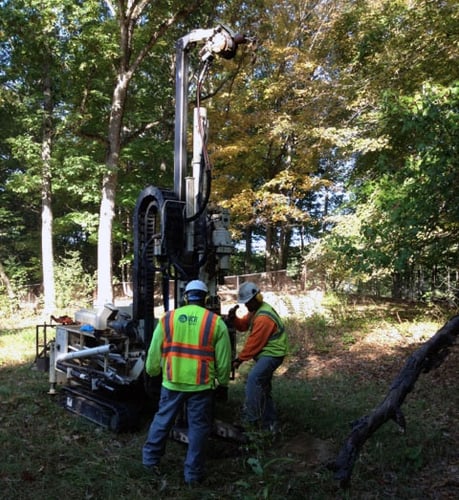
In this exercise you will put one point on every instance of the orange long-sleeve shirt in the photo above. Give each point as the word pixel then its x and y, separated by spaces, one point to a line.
pixel 261 330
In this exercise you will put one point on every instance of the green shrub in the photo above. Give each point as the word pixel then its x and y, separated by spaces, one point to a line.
pixel 74 287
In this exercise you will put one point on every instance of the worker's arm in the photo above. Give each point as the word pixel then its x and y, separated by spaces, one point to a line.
pixel 242 324
pixel 222 353
pixel 262 328
pixel 153 361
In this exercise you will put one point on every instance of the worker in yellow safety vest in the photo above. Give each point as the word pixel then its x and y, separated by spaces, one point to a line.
pixel 191 346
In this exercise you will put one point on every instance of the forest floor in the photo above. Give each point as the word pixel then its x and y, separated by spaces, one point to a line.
pixel 345 356
pixel 378 355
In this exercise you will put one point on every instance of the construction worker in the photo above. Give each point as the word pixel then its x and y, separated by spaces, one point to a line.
pixel 192 347
pixel 267 345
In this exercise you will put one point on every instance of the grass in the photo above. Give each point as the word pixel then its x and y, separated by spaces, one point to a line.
pixel 332 377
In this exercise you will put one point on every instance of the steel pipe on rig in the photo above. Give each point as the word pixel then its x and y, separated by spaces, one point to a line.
pixel 87 353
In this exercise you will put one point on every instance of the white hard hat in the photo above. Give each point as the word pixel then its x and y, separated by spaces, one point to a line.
pixel 196 286
pixel 247 291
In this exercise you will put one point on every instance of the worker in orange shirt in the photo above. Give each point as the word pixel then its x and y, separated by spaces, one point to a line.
pixel 267 345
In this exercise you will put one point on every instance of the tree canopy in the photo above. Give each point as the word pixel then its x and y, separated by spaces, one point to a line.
pixel 337 137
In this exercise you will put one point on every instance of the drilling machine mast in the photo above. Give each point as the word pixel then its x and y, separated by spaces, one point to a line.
pixel 99 358
pixel 176 234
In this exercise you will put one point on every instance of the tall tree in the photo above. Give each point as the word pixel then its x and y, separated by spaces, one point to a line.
pixel 393 63
pixel 270 164
pixel 47 252
pixel 27 71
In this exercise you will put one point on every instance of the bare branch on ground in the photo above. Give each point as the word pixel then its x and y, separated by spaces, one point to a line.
pixel 429 356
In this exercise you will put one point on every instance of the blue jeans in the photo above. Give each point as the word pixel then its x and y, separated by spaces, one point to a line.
pixel 199 416
pixel 259 405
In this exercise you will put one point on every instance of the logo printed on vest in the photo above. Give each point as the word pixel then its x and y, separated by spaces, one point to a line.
pixel 192 320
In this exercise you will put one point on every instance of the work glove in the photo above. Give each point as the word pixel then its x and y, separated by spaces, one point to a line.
pixel 221 393
pixel 236 363
pixel 232 313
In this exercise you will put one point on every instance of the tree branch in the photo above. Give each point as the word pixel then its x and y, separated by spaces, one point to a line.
pixel 129 135
pixel 429 356
pixel 110 7
pixel 160 31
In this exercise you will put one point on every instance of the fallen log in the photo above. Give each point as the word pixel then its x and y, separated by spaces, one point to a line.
pixel 429 356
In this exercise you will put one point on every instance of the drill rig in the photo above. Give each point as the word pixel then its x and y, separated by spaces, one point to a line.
pixel 98 358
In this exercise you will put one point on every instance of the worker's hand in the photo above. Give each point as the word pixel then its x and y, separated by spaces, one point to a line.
pixel 232 313
pixel 221 393
pixel 236 363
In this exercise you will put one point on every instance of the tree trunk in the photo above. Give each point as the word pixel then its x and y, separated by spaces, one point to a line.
pixel 109 185
pixel 397 283
pixel 110 178
pixel 284 246
pixel 47 254
pixel 429 356
pixel 104 244
pixel 248 250
pixel 9 289
pixel 269 252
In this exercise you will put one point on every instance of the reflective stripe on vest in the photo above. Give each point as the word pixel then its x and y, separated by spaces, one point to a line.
pixel 203 353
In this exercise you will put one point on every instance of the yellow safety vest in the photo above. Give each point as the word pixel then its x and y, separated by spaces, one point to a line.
pixel 188 351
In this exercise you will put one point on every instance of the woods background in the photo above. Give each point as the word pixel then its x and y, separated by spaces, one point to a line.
pixel 334 140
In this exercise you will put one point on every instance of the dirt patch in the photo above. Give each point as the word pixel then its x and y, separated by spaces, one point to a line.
pixel 308 451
